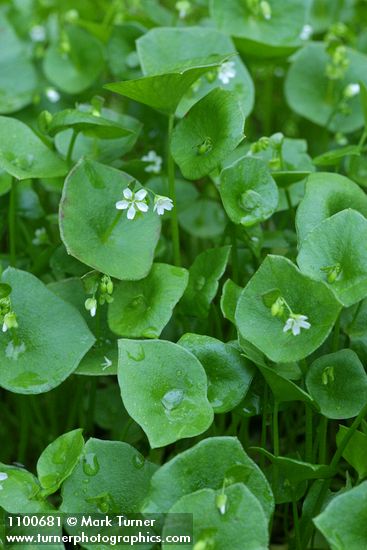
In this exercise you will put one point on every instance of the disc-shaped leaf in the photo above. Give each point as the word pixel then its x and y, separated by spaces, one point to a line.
pixel 205 218
pixel 163 387
pixel 303 295
pixel 326 194
pixel 96 484
pixel 48 328
pixel 18 78
pixel 24 155
pixel 161 48
pixel 344 521
pixel 229 373
pixel 20 492
pixel 338 384
pixel 209 132
pixel 207 464
pixel 335 252
pixel 272 33
pixel 87 214
pixel 164 92
pixel 84 121
pixel 204 274
pixel 248 191
pixel 311 94
pixel 59 459
pixel 75 70
pixel 241 525
pixel 141 309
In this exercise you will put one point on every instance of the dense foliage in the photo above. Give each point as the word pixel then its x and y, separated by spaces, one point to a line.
pixel 183 294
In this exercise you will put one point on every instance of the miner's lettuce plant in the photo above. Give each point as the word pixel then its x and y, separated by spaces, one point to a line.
pixel 183 291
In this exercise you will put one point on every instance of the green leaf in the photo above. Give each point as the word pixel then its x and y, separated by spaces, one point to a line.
pixel 229 374
pixel 338 384
pixel 228 301
pixel 312 95
pixel 18 78
pixel 257 35
pixel 334 252
pixel 21 492
pixel 59 459
pixel 24 155
pixel 355 451
pixel 356 169
pixel 363 91
pixel 48 328
pixel 242 525
pixel 97 485
pixel 282 388
pixel 5 290
pixel 127 252
pixel 204 274
pixel 160 49
pixel 86 122
pixel 141 309
pixel 303 295
pixel 77 69
pixel 210 463
pixel 344 521
pixel 209 132
pixel 333 157
pixel 164 92
pixel 327 194
pixel 205 219
pixel 295 471
pixel 163 387
pixel 248 191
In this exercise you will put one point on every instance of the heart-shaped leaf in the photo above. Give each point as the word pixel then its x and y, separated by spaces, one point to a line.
pixel 334 252
pixel 338 384
pixel 47 327
pixel 24 155
pixel 141 309
pixel 209 132
pixel 248 191
pixel 163 387
pixel 126 251
pixel 327 194
pixel 303 296
pixel 229 374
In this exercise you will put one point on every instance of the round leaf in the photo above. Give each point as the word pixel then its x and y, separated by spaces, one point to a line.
pixel 205 219
pixel 209 132
pixel 248 191
pixel 84 121
pixel 127 252
pixel 21 492
pixel 229 373
pixel 24 155
pixel 141 309
pixel 48 328
pixel 303 295
pixel 338 384
pixel 163 387
pixel 242 525
pixel 335 252
pixel 327 194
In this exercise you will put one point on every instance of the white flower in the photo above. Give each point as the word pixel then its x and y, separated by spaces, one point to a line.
pixel 155 162
pixel 52 95
pixel 3 477
pixel 183 8
pixel 106 363
pixel 10 321
pixel 161 204
pixel 38 33
pixel 352 90
pixel 295 323
pixel 40 236
pixel 306 32
pixel 91 306
pixel 133 202
pixel 227 71
pixel 221 502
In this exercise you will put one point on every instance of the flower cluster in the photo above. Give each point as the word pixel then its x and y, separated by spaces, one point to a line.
pixel 7 315
pixel 227 71
pixel 293 322
pixel 135 202
pixel 103 288
pixel 154 162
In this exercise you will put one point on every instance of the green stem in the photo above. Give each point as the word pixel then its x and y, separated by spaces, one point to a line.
pixel 276 428
pixel 12 217
pixel 69 154
pixel 172 194
pixel 323 439
pixel 235 263
pixel 309 449
pixel 297 532
pixel 336 334
pixel 108 232
pixel 263 423
pixel 290 205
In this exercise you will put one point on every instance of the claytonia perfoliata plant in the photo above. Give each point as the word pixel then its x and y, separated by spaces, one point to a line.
pixel 295 323
pixel 227 71
pixel 133 202
pixel 154 162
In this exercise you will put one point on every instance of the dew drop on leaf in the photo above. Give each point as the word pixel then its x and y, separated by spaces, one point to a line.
pixel 172 399
pixel 90 464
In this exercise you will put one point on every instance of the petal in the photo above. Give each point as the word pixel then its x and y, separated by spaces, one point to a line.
pixel 122 205
pixel 160 210
pixel 296 329
pixel 5 328
pixel 128 194
pixel 304 324
pixel 142 206
pixel 288 325
pixel 141 194
pixel 131 213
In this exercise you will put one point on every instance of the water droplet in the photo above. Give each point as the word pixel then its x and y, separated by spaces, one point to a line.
pixel 200 282
pixel 104 502
pixel 172 399
pixel 90 464
pixel 138 461
pixel 136 353
pixel 251 200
